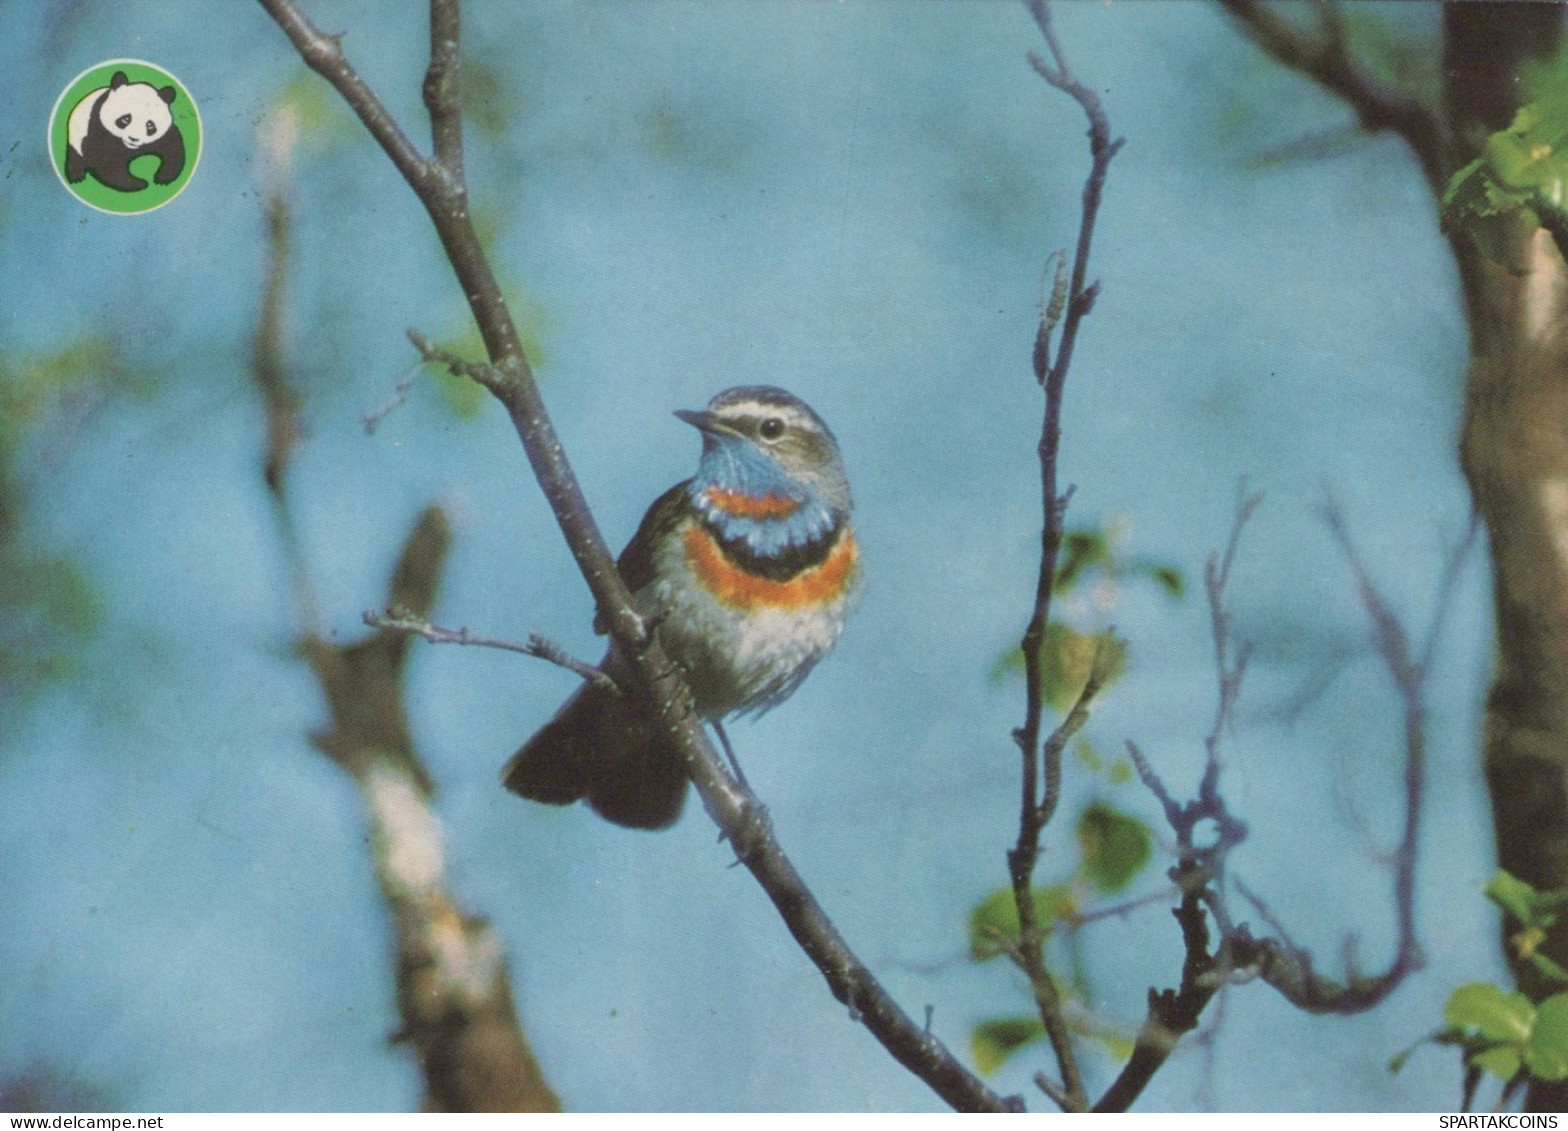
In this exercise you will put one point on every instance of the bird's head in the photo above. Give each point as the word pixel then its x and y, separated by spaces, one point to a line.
pixel 762 442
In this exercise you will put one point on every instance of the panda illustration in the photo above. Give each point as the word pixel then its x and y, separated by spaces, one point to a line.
pixel 117 123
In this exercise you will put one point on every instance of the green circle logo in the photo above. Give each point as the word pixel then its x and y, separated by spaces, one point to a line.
pixel 124 137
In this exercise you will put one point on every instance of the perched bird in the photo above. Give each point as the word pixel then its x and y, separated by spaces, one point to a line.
pixel 749 568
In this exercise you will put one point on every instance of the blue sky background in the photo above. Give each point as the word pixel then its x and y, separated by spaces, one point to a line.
pixel 853 201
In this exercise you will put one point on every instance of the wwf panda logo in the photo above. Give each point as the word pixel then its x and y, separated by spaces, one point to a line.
pixel 118 123
pixel 124 136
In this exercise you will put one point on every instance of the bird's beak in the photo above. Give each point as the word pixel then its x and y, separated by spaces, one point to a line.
pixel 702 421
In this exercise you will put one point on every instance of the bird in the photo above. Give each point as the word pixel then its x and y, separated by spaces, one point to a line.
pixel 749 569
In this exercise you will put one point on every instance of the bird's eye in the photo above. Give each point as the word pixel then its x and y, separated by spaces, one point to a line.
pixel 771 428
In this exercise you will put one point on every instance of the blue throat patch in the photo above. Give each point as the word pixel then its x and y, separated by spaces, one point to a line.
pixel 735 464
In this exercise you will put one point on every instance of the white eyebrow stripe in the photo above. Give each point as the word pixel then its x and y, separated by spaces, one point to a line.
pixel 761 410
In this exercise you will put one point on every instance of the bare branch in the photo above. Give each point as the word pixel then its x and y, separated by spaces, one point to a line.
pixel 323 54
pixel 1325 58
pixel 1289 968
pixel 540 647
pixel 1200 866
pixel 1036 810
pixel 665 697
pixel 1200 870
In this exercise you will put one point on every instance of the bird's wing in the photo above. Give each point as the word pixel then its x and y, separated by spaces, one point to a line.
pixel 636 562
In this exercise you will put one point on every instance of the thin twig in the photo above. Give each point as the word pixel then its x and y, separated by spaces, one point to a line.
pixel 540 647
pixel 372 419
pixel 1289 968
pixel 1055 1092
pixel 443 90
pixel 481 372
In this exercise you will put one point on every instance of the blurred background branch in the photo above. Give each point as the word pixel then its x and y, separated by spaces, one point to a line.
pixel 453 991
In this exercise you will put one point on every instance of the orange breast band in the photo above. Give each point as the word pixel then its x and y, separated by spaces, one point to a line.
pixel 733 586
pixel 742 505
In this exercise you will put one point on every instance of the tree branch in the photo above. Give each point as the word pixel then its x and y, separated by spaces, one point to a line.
pixel 663 692
pixel 1200 871
pixel 1326 59
pixel 1035 810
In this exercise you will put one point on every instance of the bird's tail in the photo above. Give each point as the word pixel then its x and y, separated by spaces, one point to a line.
pixel 598 747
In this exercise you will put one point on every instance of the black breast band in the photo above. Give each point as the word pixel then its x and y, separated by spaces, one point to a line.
pixel 785 565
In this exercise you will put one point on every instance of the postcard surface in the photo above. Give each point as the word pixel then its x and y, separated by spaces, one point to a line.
pixel 341 770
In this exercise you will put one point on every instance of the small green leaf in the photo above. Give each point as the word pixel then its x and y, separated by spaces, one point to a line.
pixel 1546 966
pixel 1513 895
pixel 992 1042
pixel 996 917
pixel 1511 156
pixel 1546 1052
pixel 1081 549
pixel 485 103
pixel 1170 578
pixel 1069 657
pixel 1501 1061
pixel 1087 754
pixel 1485 1008
pixel 1066 659
pixel 1119 1045
pixel 1115 846
pixel 463 396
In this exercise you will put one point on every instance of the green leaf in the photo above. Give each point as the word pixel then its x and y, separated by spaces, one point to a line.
pixel 1546 966
pixel 1501 1061
pixel 318 112
pixel 1066 658
pixel 996 916
pixel 1115 846
pixel 485 103
pixel 1522 174
pixel 1082 548
pixel 992 1042
pixel 1535 910
pixel 463 396
pixel 1485 1008
pixel 1546 1052
pixel 1119 1045
pixel 1170 578
pixel 1513 895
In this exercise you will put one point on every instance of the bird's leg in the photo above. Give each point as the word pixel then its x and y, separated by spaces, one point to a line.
pixel 729 752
